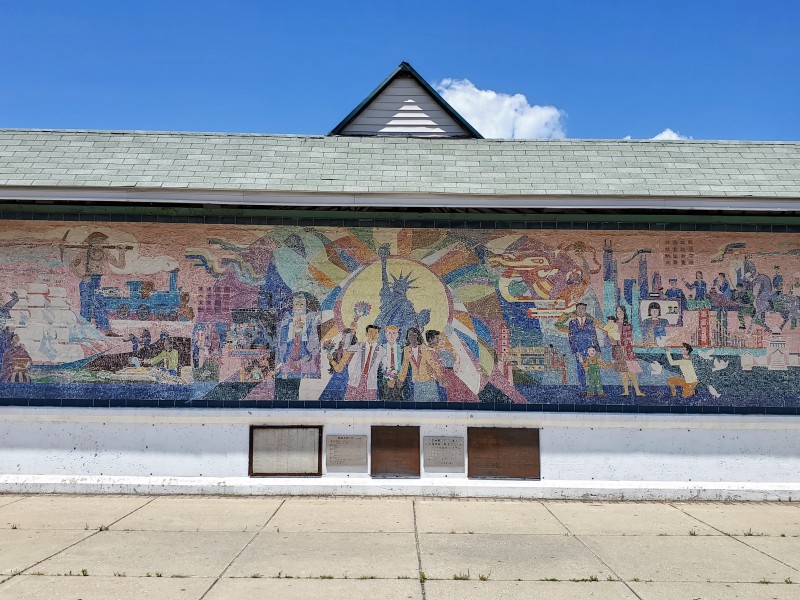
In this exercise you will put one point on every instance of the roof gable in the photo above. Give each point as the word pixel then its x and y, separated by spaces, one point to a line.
pixel 405 105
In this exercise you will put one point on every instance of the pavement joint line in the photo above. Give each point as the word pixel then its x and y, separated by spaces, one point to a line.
pixel 20 499
pixel 91 535
pixel 419 552
pixel 245 547
pixel 592 552
pixel 733 537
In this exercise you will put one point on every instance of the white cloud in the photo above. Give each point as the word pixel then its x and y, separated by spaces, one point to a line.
pixel 668 134
pixel 499 115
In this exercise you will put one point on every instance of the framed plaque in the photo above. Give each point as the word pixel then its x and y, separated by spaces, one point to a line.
pixel 285 451
pixel 443 454
pixel 395 452
pixel 503 453
pixel 346 453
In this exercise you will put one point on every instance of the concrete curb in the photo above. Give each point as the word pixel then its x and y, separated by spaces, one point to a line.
pixel 429 487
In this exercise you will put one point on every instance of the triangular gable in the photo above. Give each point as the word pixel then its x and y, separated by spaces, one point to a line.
pixel 405 105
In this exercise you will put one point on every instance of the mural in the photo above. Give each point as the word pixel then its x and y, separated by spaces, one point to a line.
pixel 113 313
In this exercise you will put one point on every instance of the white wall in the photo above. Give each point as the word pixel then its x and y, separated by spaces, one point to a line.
pixel 646 454
pixel 684 455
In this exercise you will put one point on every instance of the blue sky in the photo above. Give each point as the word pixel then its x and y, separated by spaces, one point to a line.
pixel 708 69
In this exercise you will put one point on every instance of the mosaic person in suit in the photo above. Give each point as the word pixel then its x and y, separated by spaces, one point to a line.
pixel 362 372
pixel 673 292
pixel 298 339
pixel 420 362
pixel 582 335
pixel 391 388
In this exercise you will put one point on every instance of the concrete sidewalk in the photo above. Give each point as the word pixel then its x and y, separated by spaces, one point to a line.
pixel 214 548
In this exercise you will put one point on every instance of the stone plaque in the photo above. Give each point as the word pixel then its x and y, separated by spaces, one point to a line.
pixel 395 452
pixel 285 451
pixel 442 454
pixel 503 453
pixel 346 453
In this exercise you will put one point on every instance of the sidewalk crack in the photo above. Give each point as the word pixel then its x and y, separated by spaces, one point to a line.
pixel 245 547
pixel 733 537
pixel 419 553
pixel 592 552
pixel 91 535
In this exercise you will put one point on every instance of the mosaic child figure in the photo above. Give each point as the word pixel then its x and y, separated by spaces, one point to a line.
pixel 592 365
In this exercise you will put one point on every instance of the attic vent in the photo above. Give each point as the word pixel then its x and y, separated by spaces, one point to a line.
pixel 405 105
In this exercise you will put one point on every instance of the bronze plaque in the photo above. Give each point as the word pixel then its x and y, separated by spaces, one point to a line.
pixel 503 453
pixel 395 452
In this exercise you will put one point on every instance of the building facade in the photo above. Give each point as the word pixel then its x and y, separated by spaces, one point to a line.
pixel 400 298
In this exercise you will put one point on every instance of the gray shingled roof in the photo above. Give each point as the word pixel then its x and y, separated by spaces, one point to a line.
pixel 212 161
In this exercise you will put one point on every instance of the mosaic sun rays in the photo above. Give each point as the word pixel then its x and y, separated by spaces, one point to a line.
pixel 115 313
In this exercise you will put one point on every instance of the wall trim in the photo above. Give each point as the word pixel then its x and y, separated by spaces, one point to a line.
pixel 393 200
pixel 332 418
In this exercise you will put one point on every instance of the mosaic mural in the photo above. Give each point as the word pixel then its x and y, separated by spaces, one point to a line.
pixel 195 313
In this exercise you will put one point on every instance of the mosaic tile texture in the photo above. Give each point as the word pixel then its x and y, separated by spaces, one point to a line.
pixel 205 315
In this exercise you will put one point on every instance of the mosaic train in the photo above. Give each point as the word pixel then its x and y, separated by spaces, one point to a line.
pixel 123 311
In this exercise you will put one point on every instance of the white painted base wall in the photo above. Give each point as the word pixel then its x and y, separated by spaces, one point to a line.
pixel 598 456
